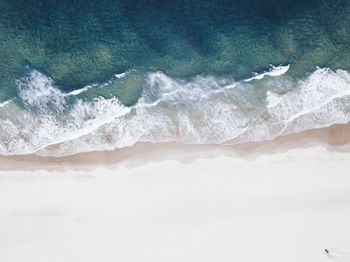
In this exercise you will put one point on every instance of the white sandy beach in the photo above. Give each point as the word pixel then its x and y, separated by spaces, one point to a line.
pixel 181 205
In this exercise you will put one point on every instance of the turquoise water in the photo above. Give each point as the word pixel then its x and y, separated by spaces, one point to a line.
pixel 80 42
pixel 185 63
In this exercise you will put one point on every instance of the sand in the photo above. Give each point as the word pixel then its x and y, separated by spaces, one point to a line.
pixel 285 200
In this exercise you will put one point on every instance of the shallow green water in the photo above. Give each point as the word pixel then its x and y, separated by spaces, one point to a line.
pixel 79 76
pixel 80 42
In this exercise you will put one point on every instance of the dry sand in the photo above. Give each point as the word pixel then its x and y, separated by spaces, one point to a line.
pixel 285 200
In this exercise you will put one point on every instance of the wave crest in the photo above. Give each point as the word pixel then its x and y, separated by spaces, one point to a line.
pixel 202 110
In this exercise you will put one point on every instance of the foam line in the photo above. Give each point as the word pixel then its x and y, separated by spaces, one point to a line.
pixel 201 110
pixel 3 104
pixel 274 71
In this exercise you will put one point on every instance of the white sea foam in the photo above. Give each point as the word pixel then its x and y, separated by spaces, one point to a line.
pixel 274 71
pixel 81 90
pixel 2 104
pixel 324 93
pixel 49 119
pixel 272 99
pixel 88 87
pixel 37 90
pixel 198 111
pixel 122 75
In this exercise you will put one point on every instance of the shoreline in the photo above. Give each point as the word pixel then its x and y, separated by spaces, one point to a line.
pixel 334 138
pixel 285 200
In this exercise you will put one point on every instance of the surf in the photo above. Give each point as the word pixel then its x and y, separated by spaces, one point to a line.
pixel 273 71
pixel 204 109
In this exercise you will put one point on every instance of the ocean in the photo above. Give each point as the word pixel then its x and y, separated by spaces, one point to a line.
pixel 82 76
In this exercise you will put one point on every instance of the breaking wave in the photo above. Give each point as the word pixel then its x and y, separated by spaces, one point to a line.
pixel 203 110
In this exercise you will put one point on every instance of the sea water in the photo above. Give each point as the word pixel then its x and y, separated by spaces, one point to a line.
pixel 79 76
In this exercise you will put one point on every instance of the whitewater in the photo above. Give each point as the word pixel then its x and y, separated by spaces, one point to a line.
pixel 46 121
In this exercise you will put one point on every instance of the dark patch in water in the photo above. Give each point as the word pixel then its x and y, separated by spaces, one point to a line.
pixel 81 42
